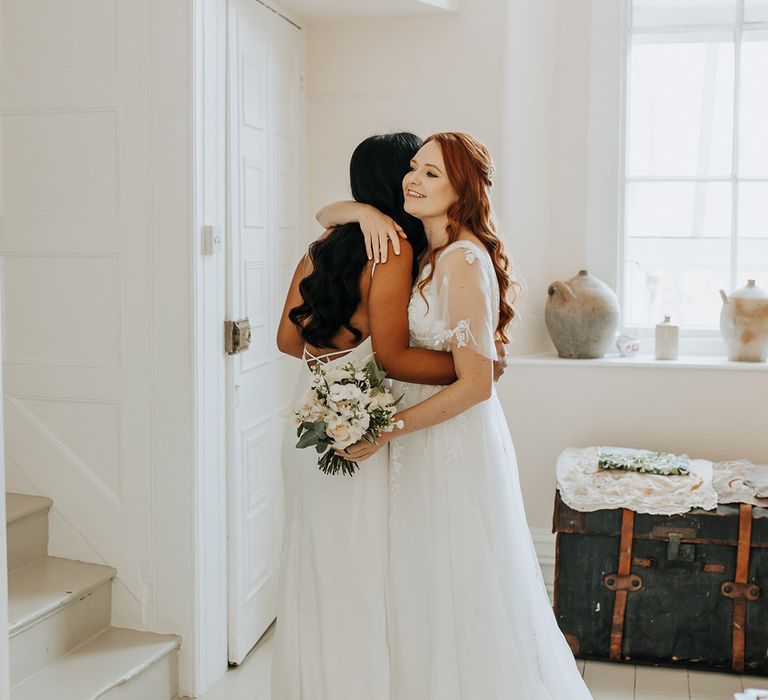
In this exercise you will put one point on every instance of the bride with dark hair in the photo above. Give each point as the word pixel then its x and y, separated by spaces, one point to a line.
pixel 331 637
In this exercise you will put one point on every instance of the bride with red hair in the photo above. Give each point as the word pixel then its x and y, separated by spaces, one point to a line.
pixel 468 613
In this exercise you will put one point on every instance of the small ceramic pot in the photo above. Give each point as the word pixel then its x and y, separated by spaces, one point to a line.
pixel 667 340
pixel 582 316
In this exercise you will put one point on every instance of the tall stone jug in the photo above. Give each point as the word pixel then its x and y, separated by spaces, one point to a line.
pixel 582 316
pixel 744 323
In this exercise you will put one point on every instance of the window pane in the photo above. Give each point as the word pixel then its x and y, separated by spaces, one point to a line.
pixel 753 109
pixel 753 209
pixel 654 13
pixel 753 263
pixel 679 209
pixel 681 105
pixel 756 10
pixel 679 277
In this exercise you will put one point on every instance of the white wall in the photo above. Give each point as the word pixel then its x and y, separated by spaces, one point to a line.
pixel 96 220
pixel 706 413
pixel 418 74
pixel 517 75
pixel 524 198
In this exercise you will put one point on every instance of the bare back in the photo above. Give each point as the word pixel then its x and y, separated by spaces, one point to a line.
pixel 344 339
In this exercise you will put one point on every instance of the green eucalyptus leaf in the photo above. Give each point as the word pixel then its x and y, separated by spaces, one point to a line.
pixel 309 438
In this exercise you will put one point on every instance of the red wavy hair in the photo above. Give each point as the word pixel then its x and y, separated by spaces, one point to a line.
pixel 470 170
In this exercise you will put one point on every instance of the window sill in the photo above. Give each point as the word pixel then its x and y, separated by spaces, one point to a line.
pixel 714 362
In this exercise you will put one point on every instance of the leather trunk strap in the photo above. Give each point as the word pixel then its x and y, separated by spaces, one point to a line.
pixel 625 566
pixel 738 641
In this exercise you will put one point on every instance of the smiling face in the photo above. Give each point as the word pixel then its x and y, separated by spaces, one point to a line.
pixel 427 190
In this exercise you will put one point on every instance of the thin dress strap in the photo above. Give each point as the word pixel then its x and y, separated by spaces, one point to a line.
pixel 319 358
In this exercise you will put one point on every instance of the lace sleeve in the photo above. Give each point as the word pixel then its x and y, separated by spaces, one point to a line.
pixel 465 298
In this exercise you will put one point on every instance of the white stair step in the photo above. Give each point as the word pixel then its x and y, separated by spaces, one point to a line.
pixel 54 604
pixel 26 520
pixel 118 664
pixel 20 505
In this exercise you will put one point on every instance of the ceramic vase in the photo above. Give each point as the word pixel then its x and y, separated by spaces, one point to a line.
pixel 744 323
pixel 582 315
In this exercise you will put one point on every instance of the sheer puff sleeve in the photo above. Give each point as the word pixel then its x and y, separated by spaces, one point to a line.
pixel 467 300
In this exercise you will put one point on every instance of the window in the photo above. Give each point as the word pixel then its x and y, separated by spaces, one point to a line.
pixel 695 185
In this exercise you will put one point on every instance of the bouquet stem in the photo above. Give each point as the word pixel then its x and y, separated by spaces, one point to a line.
pixel 331 463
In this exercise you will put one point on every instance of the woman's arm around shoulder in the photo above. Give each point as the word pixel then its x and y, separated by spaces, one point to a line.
pixel 388 317
pixel 378 228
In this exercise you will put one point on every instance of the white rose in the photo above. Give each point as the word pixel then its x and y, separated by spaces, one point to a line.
pixel 347 413
pixel 317 413
pixel 307 403
pixel 355 434
pixel 340 433
pixel 338 393
pixel 337 414
pixel 362 422
pixel 382 400
pixel 345 392
pixel 334 375
pixel 354 393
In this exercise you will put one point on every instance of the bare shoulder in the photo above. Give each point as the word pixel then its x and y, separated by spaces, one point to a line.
pixel 406 250
pixel 405 259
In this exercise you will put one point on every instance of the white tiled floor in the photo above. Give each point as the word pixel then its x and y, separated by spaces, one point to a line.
pixel 607 681
pixel 610 681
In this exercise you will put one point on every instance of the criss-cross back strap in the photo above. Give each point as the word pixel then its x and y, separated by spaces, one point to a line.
pixel 319 358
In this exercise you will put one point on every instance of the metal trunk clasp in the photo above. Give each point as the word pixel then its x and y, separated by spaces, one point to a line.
pixel 731 589
pixel 631 583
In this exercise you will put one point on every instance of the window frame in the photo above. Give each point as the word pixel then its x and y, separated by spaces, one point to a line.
pixel 611 35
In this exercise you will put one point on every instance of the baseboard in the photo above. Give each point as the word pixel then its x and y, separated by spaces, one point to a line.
pixel 544 542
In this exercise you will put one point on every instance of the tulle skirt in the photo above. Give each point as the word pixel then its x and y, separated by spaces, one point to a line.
pixel 330 640
pixel 469 616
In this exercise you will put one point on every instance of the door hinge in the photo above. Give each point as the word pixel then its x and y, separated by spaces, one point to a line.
pixel 237 336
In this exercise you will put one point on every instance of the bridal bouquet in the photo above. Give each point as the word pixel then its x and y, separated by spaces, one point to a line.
pixel 346 403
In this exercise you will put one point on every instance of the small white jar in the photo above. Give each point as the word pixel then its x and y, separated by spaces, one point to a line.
pixel 667 340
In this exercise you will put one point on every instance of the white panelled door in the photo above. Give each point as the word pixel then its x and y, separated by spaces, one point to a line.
pixel 265 142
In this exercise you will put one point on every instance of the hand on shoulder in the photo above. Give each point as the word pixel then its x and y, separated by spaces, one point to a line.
pixel 380 231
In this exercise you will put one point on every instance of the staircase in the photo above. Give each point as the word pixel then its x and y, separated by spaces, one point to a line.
pixel 62 646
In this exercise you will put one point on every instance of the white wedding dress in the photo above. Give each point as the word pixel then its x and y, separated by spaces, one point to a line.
pixel 330 641
pixel 468 613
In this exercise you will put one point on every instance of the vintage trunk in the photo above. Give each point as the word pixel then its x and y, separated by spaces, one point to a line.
pixel 680 590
